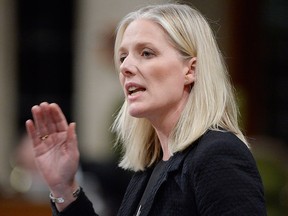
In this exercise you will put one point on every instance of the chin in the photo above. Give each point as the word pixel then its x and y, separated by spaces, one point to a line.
pixel 136 113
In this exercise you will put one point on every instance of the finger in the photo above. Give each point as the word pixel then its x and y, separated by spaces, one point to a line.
pixel 72 139
pixel 58 117
pixel 32 133
pixel 71 133
pixel 39 120
pixel 47 117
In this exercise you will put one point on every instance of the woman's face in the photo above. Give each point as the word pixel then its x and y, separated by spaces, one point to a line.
pixel 154 76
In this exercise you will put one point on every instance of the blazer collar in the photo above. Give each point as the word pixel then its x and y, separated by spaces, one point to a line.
pixel 173 165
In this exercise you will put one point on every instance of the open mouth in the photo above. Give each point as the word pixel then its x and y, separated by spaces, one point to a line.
pixel 134 90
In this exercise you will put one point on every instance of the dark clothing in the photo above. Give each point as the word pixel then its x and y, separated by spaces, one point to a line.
pixel 216 175
pixel 154 178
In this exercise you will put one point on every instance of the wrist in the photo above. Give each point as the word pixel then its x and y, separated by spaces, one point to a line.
pixel 64 189
pixel 62 199
pixel 63 196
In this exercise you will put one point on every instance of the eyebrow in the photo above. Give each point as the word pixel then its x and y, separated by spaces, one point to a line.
pixel 138 45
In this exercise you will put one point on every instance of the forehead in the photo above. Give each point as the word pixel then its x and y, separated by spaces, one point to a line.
pixel 143 31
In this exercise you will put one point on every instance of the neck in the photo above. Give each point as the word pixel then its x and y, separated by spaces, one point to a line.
pixel 164 139
pixel 165 123
pixel 164 128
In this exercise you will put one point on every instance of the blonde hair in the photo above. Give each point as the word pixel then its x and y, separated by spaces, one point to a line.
pixel 211 103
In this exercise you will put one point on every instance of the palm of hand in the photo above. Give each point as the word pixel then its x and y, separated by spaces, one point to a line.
pixel 56 155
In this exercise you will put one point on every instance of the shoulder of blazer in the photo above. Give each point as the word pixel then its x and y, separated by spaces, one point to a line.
pixel 211 144
pixel 220 142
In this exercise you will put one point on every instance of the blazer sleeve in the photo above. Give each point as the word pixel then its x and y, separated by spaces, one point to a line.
pixel 226 179
pixel 80 207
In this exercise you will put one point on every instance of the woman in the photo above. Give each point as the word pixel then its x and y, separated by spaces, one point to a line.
pixel 178 125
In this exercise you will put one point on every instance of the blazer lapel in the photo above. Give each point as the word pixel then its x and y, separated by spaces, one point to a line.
pixel 172 166
pixel 139 182
pixel 134 193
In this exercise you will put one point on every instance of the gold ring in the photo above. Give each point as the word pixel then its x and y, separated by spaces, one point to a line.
pixel 44 137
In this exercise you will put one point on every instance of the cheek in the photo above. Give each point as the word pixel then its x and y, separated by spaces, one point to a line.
pixel 160 73
pixel 170 75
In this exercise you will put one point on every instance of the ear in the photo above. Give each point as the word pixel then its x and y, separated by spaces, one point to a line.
pixel 191 71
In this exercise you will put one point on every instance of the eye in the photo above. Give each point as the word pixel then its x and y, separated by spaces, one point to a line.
pixel 122 58
pixel 147 53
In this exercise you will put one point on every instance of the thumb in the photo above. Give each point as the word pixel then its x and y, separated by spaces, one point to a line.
pixel 72 141
pixel 71 135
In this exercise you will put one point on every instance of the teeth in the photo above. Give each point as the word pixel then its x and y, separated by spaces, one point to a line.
pixel 132 88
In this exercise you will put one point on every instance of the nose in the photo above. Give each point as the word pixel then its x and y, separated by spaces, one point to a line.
pixel 128 67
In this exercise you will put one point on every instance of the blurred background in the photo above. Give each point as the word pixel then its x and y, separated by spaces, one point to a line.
pixel 61 51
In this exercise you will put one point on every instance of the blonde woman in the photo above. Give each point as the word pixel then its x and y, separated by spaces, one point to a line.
pixel 178 125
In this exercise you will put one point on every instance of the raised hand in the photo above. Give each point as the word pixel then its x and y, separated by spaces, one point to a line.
pixel 55 147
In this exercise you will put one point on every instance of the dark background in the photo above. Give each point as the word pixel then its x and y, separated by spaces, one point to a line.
pixel 257 63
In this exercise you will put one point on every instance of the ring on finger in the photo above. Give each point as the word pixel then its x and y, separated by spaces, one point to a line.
pixel 44 137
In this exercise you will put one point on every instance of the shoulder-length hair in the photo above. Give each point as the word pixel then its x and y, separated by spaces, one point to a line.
pixel 211 104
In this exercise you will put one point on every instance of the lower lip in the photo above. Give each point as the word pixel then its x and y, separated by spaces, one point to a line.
pixel 135 96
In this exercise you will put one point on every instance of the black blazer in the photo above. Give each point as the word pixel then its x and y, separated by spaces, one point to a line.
pixel 216 175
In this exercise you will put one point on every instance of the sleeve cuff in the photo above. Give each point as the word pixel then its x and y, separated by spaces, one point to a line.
pixel 81 206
